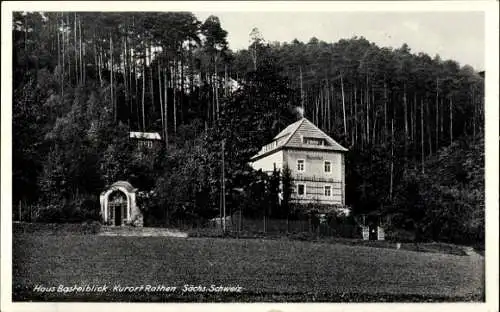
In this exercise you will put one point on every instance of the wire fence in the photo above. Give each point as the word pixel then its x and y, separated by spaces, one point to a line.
pixel 265 225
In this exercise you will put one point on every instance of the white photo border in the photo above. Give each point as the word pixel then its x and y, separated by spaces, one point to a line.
pixel 490 9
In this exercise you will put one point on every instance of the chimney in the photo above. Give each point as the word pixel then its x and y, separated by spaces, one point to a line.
pixel 300 112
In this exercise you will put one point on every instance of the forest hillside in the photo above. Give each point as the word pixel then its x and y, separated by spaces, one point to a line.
pixel 413 123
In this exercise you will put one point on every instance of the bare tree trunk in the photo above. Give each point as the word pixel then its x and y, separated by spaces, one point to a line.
pixel 343 104
pixel 151 86
pixel 181 95
pixel 391 182
pixel 367 98
pixel 160 97
pixel 451 120
pixel 385 110
pixel 255 57
pixel 59 55
pixel 209 104
pixel 405 112
pixel 422 132
pixel 63 56
pixel 362 101
pixel 174 83
pixel 226 82
pixel 305 103
pixel 473 114
pixel 321 121
pixel 330 100
pixel 82 59
pixel 325 112
pixel 315 116
pixel 405 107
pixel 214 102
pixel 25 35
pixel 69 51
pixel 100 67
pixel 216 87
pixel 428 126
pixel 374 137
pixel 113 102
pixel 375 115
pixel 301 91
pixel 129 69
pixel 352 118
pixel 136 89
pixel 437 114
pixel 441 128
pixel 143 92
pixel 126 80
pixel 166 105
pixel 410 120
pixel 355 115
pixel 413 116
pixel 76 53
pixel 124 63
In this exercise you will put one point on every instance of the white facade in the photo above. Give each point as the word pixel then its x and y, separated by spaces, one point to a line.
pixel 268 163
pixel 322 176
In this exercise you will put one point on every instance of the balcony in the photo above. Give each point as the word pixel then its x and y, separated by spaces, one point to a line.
pixel 315 179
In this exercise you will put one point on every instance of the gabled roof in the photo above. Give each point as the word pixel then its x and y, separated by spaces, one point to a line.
pixel 145 135
pixel 290 129
pixel 292 137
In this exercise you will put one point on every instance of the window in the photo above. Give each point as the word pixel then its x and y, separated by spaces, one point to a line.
pixel 301 165
pixel 328 166
pixel 145 144
pixel 313 141
pixel 328 191
pixel 301 189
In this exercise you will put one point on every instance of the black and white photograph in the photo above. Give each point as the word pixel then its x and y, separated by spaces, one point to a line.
pixel 209 153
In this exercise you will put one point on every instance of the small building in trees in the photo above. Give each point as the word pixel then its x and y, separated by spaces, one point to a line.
pixel 315 162
pixel 145 139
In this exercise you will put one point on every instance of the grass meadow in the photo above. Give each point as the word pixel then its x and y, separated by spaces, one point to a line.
pixel 265 270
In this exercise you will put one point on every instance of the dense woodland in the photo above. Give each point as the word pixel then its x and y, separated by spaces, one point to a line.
pixel 414 124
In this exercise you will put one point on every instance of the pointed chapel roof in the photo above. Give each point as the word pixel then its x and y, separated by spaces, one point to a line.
pixel 292 136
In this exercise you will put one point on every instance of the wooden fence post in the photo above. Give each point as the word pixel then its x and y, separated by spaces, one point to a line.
pixel 309 225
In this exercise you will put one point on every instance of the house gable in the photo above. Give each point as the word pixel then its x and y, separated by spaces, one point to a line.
pixel 307 135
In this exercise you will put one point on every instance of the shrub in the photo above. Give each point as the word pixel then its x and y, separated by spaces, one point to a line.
pixel 90 209
pixel 74 211
pixel 52 213
pixel 91 227
pixel 137 221
pixel 399 235
pixel 303 236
